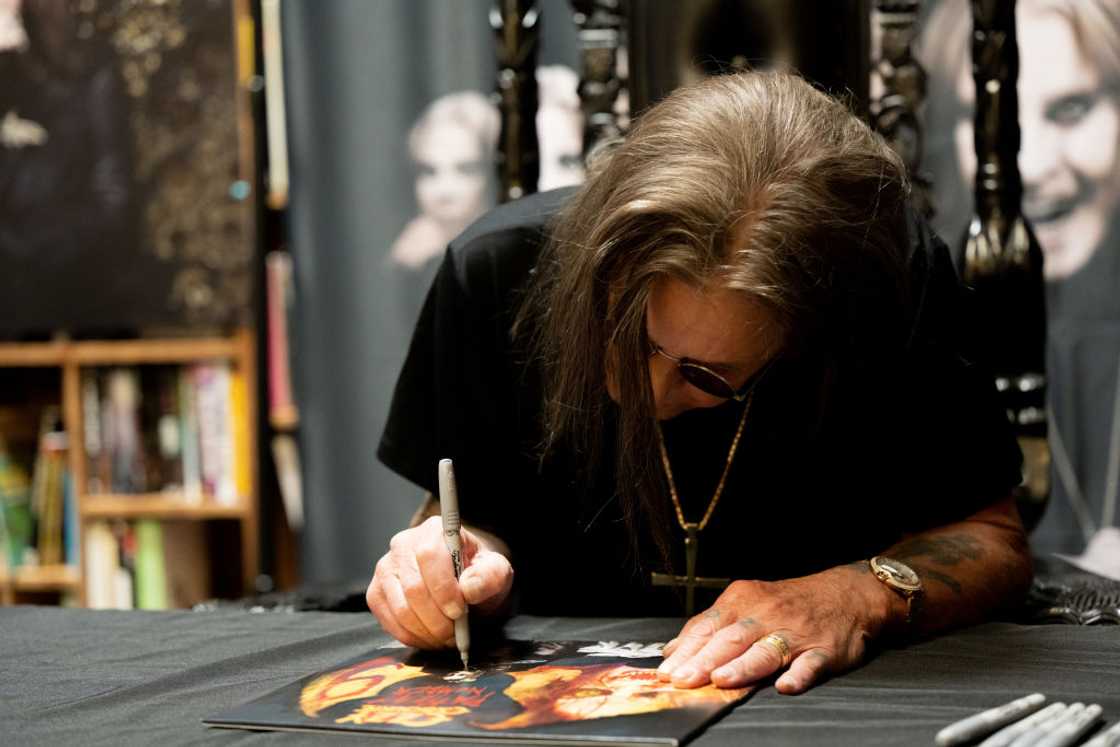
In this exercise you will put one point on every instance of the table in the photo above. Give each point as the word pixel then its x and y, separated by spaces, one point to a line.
pixel 102 677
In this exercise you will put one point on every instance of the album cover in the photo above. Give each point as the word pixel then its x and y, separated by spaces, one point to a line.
pixel 540 692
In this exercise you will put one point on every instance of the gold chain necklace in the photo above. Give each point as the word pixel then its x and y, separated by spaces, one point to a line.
pixel 692 529
pixel 722 479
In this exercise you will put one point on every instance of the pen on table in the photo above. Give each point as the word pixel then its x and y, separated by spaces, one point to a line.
pixel 1070 731
pixel 989 720
pixel 1110 737
pixel 1009 734
pixel 449 513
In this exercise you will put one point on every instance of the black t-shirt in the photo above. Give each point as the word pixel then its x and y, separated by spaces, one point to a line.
pixel 910 440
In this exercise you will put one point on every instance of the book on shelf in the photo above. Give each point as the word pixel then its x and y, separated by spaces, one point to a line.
pixel 149 570
pixel 280 301
pixel 188 430
pixel 239 429
pixel 102 565
pixel 146 564
pixel 16 522
pixel 38 510
pixel 121 431
pixel 181 430
pixel 71 526
pixel 48 491
pixel 276 126
pixel 215 432
pixel 285 454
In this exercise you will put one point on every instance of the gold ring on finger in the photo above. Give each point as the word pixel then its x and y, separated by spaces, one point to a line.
pixel 779 644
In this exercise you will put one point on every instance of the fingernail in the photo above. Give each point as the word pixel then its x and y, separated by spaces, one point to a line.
pixel 684 673
pixel 721 673
pixel 786 683
pixel 454 610
pixel 664 668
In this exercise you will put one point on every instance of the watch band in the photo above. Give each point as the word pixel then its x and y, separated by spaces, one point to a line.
pixel 894 579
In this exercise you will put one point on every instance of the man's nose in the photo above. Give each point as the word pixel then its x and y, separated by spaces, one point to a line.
pixel 662 377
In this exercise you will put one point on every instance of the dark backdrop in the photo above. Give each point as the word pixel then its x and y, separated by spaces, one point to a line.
pixel 359 74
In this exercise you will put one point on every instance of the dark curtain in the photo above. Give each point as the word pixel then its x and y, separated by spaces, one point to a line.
pixel 359 74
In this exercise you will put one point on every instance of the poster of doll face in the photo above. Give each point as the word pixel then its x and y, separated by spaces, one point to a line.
pixel 124 197
pixel 1069 115
pixel 1069 159
pixel 452 146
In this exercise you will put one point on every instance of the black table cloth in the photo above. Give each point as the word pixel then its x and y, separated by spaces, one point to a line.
pixel 70 676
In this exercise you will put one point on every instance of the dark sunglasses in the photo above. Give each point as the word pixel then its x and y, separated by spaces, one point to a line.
pixel 707 380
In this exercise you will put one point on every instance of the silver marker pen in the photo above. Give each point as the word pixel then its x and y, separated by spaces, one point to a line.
pixel 989 720
pixel 1009 734
pixel 1110 737
pixel 1038 733
pixel 449 513
pixel 1070 731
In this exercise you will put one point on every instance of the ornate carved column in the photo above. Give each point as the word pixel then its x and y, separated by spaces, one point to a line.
pixel 895 114
pixel 600 24
pixel 1002 258
pixel 515 26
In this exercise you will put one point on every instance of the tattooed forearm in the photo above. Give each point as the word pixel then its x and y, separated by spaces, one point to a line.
pixel 928 573
pixel 948 549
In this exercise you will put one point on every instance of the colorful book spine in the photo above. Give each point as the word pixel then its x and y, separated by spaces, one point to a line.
pixel 188 420
pixel 239 430
pixel 273 54
pixel 102 566
pixel 278 289
pixel 123 436
pixel 71 532
pixel 166 433
pixel 91 431
pixel 214 432
pixel 51 498
pixel 285 453
pixel 151 574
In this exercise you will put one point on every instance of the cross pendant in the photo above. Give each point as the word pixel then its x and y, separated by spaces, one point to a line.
pixel 690 581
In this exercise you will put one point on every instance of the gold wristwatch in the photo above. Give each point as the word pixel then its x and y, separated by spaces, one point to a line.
pixel 902 580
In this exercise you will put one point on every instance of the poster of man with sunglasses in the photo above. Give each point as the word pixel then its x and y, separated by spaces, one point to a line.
pixel 721 379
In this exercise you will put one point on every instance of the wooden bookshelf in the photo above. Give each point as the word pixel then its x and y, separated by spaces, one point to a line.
pixel 72 358
pixel 156 506
pixel 135 352
pixel 44 578
pixel 33 354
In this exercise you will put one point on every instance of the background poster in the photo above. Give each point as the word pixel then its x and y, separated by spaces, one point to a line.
pixel 1069 112
pixel 120 205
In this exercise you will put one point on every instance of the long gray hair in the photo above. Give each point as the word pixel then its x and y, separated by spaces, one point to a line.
pixel 756 181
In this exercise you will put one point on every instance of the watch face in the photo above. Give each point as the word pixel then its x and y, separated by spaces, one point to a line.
pixel 899 571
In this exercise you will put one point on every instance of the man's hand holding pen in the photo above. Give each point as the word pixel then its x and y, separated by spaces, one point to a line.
pixel 414 594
